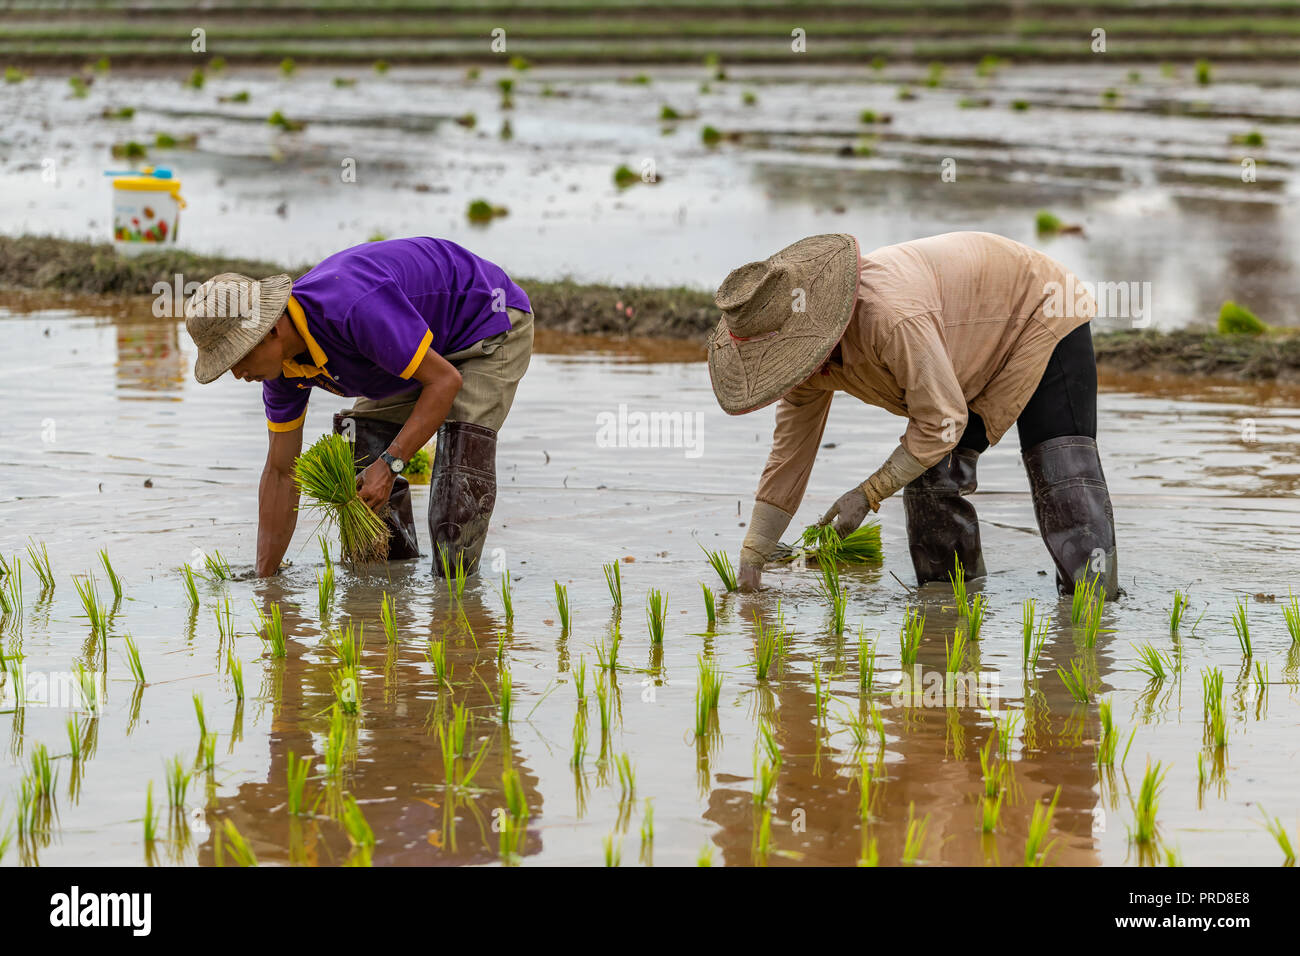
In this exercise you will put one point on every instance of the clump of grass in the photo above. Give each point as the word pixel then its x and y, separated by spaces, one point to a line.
pixel 1291 614
pixel 1178 611
pixel 216 567
pixel 235 668
pixel 324 592
pixel 1216 719
pixel 1236 319
pixel 190 588
pixel 388 617
pixel 437 655
pixel 271 630
pixel 1148 802
pixel 656 611
pixel 975 618
pixel 1156 664
pixel 96 613
pixel 607 651
pixel 914 836
pixel 613 578
pixel 711 611
pixel 1031 641
pixel 133 660
pixel 40 561
pixel 507 601
pixel 1040 822
pixel 1279 834
pixel 721 563
pixel 326 475
pixel 1242 627
pixel 1076 681
pixel 178 783
pixel 708 690
pixel 909 636
pixel 562 606
pixel 766 642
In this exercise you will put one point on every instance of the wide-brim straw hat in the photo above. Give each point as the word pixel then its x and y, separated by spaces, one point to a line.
pixel 781 319
pixel 229 315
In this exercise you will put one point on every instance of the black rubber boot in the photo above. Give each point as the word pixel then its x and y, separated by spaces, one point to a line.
pixel 941 525
pixel 462 493
pixel 370 438
pixel 1074 512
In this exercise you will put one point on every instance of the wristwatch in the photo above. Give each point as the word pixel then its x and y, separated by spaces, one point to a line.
pixel 394 463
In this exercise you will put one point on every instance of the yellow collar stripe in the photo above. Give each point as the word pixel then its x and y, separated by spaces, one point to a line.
pixel 295 369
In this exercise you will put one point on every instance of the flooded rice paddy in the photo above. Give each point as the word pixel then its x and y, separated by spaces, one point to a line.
pixel 1148 162
pixel 108 443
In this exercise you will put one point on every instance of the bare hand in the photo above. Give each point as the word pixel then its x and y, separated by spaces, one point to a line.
pixel 375 484
pixel 751 575
pixel 849 511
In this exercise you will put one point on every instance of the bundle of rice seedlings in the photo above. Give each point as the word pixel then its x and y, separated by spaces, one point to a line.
pixel 325 474
pixel 821 543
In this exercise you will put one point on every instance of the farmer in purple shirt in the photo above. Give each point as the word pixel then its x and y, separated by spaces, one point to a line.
pixel 426 335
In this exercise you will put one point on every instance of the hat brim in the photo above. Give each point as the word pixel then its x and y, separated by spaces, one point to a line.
pixel 211 364
pixel 750 374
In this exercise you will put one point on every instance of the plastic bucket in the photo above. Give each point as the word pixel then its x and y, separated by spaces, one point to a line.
pixel 146 208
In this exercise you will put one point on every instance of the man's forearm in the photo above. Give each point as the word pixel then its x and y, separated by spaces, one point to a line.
pixel 277 516
pixel 426 418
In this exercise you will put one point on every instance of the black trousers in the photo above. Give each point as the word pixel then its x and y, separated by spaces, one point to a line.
pixel 1064 403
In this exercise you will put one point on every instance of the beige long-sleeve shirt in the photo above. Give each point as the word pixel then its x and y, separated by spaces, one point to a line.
pixel 964 320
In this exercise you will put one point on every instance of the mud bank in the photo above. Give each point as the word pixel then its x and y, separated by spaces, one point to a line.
pixel 44 265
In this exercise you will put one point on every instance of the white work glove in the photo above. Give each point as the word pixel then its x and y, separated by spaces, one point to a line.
pixel 900 469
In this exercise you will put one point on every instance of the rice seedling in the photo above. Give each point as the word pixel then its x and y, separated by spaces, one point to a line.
pixel 607 650
pixel 614 579
pixel 235 668
pixel 324 593
pixel 507 602
pixel 178 783
pixel 562 606
pixel 914 836
pixel 216 567
pixel 1291 614
pixel 1040 822
pixel 909 636
pixel 956 652
pixel 1242 627
pixel 454 575
pixel 860 546
pixel 990 812
pixel 870 855
pixel 74 739
pixel 1279 834
pixel 613 851
pixel 150 816
pixel 1032 641
pixel 626 776
pixel 271 630
pixel 191 589
pixel 837 596
pixel 225 622
pixel 1261 680
pixel 721 564
pixel 705 856
pixel 326 475
pixel 1076 680
pixel 360 834
pixel 133 660
pixel 979 606
pixel 1085 593
pixel 198 712
pixel 505 697
pixel 656 610
pixel 958 578
pixel 868 791
pixel 866 664
pixel 388 617
pixel 89 683
pixel 580 680
pixel 766 641
pixel 579 740
pixel 710 608
pixel 336 741
pixel 113 578
pixel 296 780
pixel 96 613
pixel 1148 802
pixel 1178 611
pixel 819 693
pixel 1109 734
pixel 1156 664
pixel 648 833
pixel 437 655
pixel 14 586
pixel 42 776
pixel 763 838
pixel 708 690
pixel 230 840
pixel 40 561
pixel 512 820
pixel 208 753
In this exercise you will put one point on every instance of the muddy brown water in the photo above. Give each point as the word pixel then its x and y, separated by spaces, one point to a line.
pixel 1204 480
pixel 1153 175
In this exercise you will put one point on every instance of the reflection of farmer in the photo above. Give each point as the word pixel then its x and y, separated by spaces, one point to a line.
pixel 956 333
pixel 429 337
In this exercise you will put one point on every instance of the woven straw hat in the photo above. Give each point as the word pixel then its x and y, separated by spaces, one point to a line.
pixel 770 338
pixel 229 315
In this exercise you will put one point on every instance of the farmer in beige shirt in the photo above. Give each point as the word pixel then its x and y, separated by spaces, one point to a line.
pixel 963 335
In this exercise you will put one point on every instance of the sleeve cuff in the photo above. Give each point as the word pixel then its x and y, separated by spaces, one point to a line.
pixel 286 426
pixel 418 357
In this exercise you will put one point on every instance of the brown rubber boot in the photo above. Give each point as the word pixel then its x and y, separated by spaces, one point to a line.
pixel 941 526
pixel 462 493
pixel 1074 513
pixel 370 438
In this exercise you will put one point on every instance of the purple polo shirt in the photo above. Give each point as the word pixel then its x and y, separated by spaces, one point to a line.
pixel 369 315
